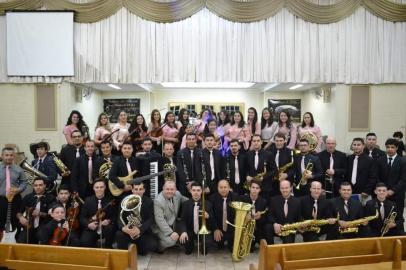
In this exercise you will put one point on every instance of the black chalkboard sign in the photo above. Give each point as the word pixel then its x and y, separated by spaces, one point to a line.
pixel 113 107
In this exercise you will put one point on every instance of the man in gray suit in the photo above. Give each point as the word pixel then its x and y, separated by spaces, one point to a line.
pixel 166 209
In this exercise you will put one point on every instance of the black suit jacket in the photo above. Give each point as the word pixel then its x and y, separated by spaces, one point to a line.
pixel 119 169
pixel 376 225
pixel 218 168
pixel 376 153
pixel 276 210
pixel 47 167
pixel 147 216
pixel 161 163
pixel 285 157
pixel 366 174
pixel 89 209
pixel 144 162
pixel 395 177
pixel 80 171
pixel 217 203
pixel 30 201
pixel 193 168
pixel 339 166
pixel 242 169
pixel 260 206
pixel 355 210
pixel 323 208
pixel 263 157
pixel 316 171
pixel 187 216
pixel 68 157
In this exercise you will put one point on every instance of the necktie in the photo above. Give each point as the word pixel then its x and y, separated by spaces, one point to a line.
pixel 171 160
pixel 37 207
pixel 277 159
pixel 212 165
pixel 77 152
pixel 8 179
pixel 127 163
pixel 346 209
pixel 90 170
pixel 253 208
pixel 370 153
pixel 382 211
pixel 224 214
pixel 390 163
pixel 40 167
pixel 331 162
pixel 237 171
pixel 302 164
pixel 256 160
pixel 314 213
pixel 285 208
pixel 171 205
pixel 196 218
pixel 191 155
pixel 99 206
pixel 354 170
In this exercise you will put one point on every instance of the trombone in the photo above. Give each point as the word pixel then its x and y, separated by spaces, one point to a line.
pixel 203 229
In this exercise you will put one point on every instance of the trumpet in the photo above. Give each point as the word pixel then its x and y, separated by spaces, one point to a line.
pixel 353 225
pixel 390 219
pixel 308 170
pixel 62 167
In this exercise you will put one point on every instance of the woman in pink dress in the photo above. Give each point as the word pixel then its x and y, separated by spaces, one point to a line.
pixel 211 128
pixel 103 129
pixel 238 130
pixel 253 124
pixel 286 127
pixel 267 127
pixel 200 124
pixel 309 126
pixel 170 130
pixel 138 130
pixel 75 122
pixel 122 134
pixel 153 128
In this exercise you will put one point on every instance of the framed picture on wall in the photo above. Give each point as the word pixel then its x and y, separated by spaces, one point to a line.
pixel 293 106
pixel 113 107
pixel 195 108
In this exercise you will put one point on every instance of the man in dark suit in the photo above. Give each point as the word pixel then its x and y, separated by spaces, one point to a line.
pixel 85 170
pixel 308 167
pixel 213 164
pixel 392 171
pixel 260 161
pixel 347 209
pixel 236 171
pixel 223 212
pixel 258 211
pixel 283 209
pixel 123 166
pixel 191 220
pixel 384 207
pixel 96 226
pixel 361 170
pixel 45 164
pixel 139 232
pixel 145 159
pixel 334 166
pixel 166 158
pixel 372 149
pixel 69 153
pixel 283 156
pixel 188 162
pixel 315 206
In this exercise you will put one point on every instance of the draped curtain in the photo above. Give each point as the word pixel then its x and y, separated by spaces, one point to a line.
pixel 125 48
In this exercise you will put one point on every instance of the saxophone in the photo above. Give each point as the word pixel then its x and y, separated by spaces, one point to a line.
pixel 390 219
pixel 353 225
pixel 257 178
pixel 292 228
pixel 62 167
pixel 284 168
pixel 316 224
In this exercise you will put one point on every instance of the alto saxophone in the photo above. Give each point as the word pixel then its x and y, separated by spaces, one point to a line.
pixel 257 178
pixel 284 168
pixel 390 219
pixel 353 225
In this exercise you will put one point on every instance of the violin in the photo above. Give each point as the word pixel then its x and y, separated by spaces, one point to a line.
pixel 59 234
pixel 72 216
pixel 107 137
pixel 101 213
pixel 156 132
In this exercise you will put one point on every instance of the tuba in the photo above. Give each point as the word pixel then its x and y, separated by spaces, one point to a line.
pixel 131 203
pixel 244 231
pixel 31 172
pixel 311 138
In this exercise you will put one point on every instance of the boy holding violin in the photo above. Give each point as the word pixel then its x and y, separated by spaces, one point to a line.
pixel 97 218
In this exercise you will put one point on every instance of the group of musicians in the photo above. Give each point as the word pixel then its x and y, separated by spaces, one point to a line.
pixel 284 187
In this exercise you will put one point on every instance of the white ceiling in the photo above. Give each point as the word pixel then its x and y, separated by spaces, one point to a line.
pixel 156 87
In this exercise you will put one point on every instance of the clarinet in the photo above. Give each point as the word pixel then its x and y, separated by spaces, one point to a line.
pixel 203 170
pixel 228 168
pixel 185 167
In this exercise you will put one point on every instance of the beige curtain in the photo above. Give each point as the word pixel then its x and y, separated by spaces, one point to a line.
pixel 232 10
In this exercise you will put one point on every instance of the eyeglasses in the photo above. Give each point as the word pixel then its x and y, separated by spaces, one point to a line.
pixel 78 136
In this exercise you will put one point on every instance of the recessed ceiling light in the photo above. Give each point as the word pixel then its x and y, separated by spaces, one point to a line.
pixel 114 86
pixel 296 86
pixel 270 86
pixel 207 84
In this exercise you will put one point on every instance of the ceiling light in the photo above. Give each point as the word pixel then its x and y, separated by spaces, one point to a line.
pixel 296 86
pixel 270 86
pixel 207 84
pixel 114 86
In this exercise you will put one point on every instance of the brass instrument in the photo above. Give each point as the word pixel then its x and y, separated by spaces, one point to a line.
pixel 131 203
pixel 316 224
pixel 257 178
pixel 303 180
pixel 244 230
pixel 62 167
pixel 203 229
pixel 310 225
pixel 311 138
pixel 31 172
pixel 284 168
pixel 390 219
pixel 104 169
pixel 353 225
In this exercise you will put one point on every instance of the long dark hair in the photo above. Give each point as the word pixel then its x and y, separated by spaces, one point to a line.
pixel 81 124
pixel 152 117
pixel 180 117
pixel 311 120
pixel 242 122
pixel 172 125
pixel 134 124
pixel 255 120
pixel 288 122
pixel 226 120
pixel 270 119
pixel 206 130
